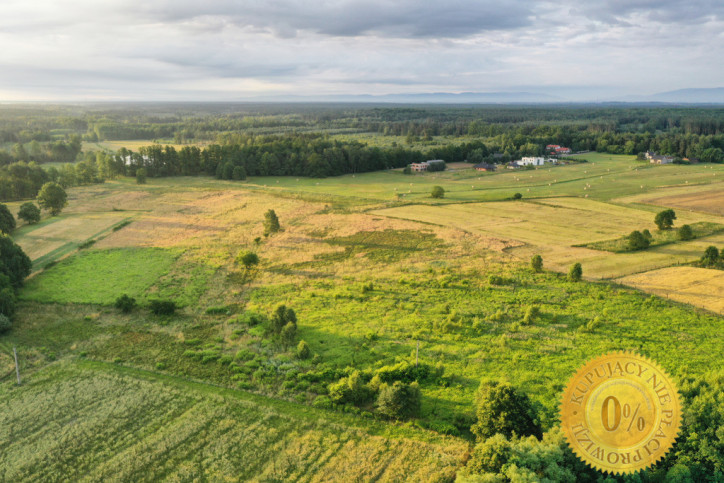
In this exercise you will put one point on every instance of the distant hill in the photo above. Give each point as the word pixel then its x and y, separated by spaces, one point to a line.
pixel 713 95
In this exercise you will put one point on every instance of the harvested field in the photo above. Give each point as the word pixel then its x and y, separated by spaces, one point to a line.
pixel 701 287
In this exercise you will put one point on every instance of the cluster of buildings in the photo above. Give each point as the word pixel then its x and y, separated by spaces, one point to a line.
pixel 658 158
pixel 556 149
pixel 428 165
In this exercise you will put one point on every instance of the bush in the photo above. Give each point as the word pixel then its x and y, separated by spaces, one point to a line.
pixel 271 222
pixel 503 409
pixel 5 324
pixel 29 212
pixel 536 263
pixel 7 297
pixel 575 273
pixel 125 304
pixel 303 350
pixel 530 314
pixel 711 256
pixel 289 334
pixel 637 241
pixel 517 196
pixel 162 307
pixel 141 176
pixel 685 233
pixel 350 389
pixel 14 263
pixel 437 192
pixel 665 219
pixel 399 400
pixel 7 220
pixel 281 317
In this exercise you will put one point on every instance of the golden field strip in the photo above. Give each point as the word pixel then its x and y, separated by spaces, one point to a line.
pixel 691 285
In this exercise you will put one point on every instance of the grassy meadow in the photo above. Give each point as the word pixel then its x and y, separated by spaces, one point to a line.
pixel 370 275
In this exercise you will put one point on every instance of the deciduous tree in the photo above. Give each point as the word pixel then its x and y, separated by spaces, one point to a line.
pixel 52 197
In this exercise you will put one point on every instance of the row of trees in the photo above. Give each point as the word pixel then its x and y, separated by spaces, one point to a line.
pixel 311 155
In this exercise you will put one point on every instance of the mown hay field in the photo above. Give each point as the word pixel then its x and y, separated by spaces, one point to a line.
pixel 90 422
pixel 551 227
pixel 696 286
pixel 58 236
pixel 604 177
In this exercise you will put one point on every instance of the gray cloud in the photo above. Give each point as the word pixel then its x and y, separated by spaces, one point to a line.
pixel 403 18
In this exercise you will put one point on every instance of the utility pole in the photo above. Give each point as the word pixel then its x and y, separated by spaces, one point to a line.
pixel 17 366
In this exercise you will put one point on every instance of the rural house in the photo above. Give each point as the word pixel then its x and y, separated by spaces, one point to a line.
pixel 428 165
pixel 485 167
pixel 659 158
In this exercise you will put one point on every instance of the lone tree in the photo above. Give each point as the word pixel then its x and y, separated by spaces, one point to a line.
pixel 665 219
pixel 685 233
pixel 271 223
pixel 282 317
pixel 141 176
pixel 7 220
pixel 437 192
pixel 52 197
pixel 637 241
pixel 711 256
pixel 29 212
pixel 501 408
pixel 575 273
pixel 536 263
pixel 249 261
pixel 517 196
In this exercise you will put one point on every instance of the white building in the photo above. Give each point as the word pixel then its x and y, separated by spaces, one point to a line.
pixel 531 161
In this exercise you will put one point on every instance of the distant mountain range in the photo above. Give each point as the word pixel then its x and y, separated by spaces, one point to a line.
pixel 681 96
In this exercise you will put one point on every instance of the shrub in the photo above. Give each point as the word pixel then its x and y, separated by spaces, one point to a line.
pixel 29 212
pixel 501 408
pixel 7 297
pixel 637 241
pixel 685 233
pixel 665 219
pixel 647 234
pixel 162 307
pixel 125 304
pixel 289 334
pixel 7 220
pixel 271 222
pixel 531 313
pixel 711 256
pixel 399 400
pixel 141 176
pixel 575 273
pixel 536 263
pixel 303 350
pixel 281 317
pixel 351 389
pixel 437 192
pixel 5 324
pixel 517 196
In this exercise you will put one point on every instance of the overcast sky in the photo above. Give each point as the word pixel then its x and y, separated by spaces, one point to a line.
pixel 239 49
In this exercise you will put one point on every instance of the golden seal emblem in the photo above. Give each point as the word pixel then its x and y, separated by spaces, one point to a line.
pixel 620 413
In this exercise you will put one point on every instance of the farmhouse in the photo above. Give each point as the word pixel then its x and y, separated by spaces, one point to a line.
pixel 658 158
pixel 432 165
pixel 485 167
pixel 557 149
